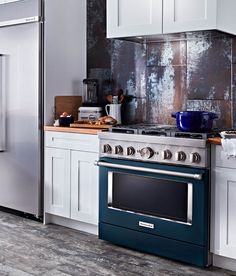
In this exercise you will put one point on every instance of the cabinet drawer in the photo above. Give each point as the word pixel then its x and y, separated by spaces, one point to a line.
pixel 221 160
pixel 74 141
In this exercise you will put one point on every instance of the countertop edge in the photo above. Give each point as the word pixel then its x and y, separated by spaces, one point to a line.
pixel 214 141
pixel 73 130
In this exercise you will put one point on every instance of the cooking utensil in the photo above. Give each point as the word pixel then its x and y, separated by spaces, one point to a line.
pixel 115 100
pixel 194 121
pixel 119 92
pixel 109 98
pixel 122 97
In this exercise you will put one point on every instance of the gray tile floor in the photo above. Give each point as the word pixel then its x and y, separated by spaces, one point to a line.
pixel 30 248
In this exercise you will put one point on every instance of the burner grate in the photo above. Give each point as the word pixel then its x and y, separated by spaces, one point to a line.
pixel 195 135
pixel 162 130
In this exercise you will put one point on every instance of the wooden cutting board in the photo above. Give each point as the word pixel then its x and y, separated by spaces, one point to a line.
pixel 69 104
pixel 91 126
pixel 73 130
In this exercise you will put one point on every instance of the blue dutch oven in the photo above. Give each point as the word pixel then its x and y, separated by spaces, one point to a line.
pixel 194 121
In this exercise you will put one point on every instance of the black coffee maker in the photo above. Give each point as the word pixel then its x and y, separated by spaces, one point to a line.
pixel 90 93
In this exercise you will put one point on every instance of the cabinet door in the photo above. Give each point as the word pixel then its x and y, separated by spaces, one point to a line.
pixel 57 182
pixel 226 16
pixel 189 15
pixel 133 18
pixel 223 226
pixel 84 187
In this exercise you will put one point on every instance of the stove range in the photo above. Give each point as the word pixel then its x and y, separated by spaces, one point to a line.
pixel 157 143
pixel 154 186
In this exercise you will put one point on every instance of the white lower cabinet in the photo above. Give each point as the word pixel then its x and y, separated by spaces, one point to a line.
pixel 225 212
pixel 223 198
pixel 71 180
pixel 84 188
pixel 57 178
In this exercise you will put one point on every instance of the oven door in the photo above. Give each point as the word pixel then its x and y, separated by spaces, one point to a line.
pixel 169 201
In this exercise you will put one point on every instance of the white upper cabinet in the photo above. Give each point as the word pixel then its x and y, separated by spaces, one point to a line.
pixel 132 18
pixel 226 16
pixel 189 15
pixel 126 18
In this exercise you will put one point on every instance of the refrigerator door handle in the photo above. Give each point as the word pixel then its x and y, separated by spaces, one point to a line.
pixel 2 103
pixel 20 21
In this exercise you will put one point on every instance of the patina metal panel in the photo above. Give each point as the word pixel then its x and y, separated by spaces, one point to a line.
pixel 166 92
pixel 166 53
pixel 209 68
pixel 98 46
pixel 234 94
pixel 166 80
pixel 234 50
pixel 129 73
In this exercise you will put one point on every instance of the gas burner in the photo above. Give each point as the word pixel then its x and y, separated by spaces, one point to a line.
pixel 195 135
pixel 128 129
pixel 158 130
pixel 144 129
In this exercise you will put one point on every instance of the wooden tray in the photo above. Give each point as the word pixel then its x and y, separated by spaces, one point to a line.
pixel 92 126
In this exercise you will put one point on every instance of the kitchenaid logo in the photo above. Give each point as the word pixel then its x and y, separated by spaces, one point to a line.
pixel 29 19
pixel 146 225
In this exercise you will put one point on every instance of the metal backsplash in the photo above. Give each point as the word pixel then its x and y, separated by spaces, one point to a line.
pixel 195 71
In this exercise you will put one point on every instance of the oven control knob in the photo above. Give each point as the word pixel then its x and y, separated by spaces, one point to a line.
pixel 130 151
pixel 118 150
pixel 180 156
pixel 166 154
pixel 195 157
pixel 107 148
pixel 146 153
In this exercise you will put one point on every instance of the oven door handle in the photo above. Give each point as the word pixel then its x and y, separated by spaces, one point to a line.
pixel 148 170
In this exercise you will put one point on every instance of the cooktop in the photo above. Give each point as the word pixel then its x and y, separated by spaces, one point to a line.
pixel 162 130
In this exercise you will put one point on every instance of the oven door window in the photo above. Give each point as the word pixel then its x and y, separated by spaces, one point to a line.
pixel 166 199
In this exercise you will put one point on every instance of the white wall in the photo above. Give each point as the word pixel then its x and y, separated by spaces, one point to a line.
pixel 65 50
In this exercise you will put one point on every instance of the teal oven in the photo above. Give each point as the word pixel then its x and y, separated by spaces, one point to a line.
pixel 154 208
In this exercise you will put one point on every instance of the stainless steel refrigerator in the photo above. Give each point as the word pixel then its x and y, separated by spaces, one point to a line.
pixel 28 74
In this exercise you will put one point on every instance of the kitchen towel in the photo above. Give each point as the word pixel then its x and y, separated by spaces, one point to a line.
pixel 229 147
